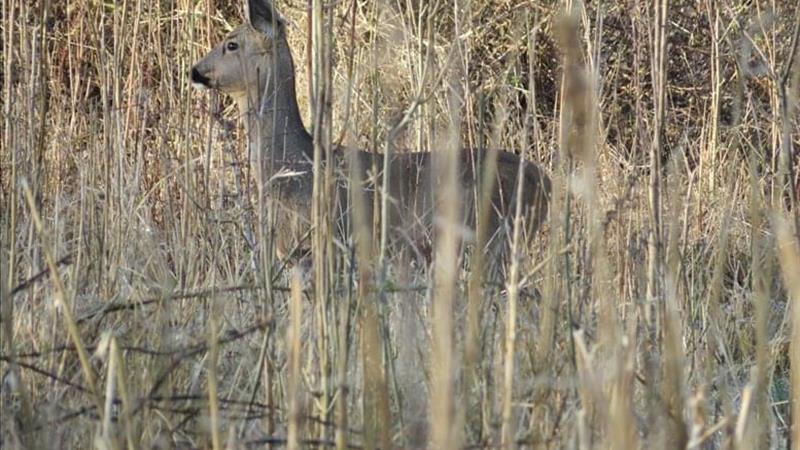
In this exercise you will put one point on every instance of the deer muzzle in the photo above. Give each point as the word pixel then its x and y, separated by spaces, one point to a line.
pixel 199 80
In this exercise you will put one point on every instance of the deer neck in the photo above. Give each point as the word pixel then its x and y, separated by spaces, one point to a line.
pixel 275 130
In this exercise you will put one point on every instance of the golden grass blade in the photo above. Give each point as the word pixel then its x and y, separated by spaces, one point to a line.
pixel 294 346
pixel 789 257
pixel 213 387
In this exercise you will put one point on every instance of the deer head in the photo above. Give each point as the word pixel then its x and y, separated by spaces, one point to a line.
pixel 242 62
pixel 254 65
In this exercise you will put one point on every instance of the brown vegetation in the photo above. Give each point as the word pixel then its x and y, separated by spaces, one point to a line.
pixel 142 304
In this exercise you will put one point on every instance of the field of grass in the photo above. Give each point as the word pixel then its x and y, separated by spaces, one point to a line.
pixel 142 305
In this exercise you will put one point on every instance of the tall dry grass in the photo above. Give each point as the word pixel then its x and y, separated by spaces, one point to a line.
pixel 142 305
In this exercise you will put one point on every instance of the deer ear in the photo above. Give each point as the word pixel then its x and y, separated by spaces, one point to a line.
pixel 264 17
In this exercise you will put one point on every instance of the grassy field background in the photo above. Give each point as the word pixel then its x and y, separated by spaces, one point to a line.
pixel 653 311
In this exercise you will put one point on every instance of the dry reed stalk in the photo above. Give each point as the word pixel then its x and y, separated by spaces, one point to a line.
pixel 342 389
pixel 8 209
pixel 263 261
pixel 473 342
pixel 374 403
pixel 655 240
pixel 762 274
pixel 213 381
pixel 713 322
pixel 365 250
pixel 475 288
pixel 378 200
pixel 562 275
pixel 581 105
pixel 587 389
pixel 790 266
pixel 710 156
pixel 360 230
pixel 107 438
pixel 508 429
pixel 294 336
pixel 786 110
pixel 116 382
pixel 322 248
pixel 445 426
pixel 654 302
pixel 672 379
pixel 8 194
pixel 621 413
pixel 549 308
pixel 124 394
pixel 9 201
pixel 6 305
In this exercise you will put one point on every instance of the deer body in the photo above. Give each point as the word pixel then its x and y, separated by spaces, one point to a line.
pixel 254 66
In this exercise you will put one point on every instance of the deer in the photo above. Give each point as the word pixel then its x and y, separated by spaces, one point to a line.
pixel 254 66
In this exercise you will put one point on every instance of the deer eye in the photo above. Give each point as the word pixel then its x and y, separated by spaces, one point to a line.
pixel 232 46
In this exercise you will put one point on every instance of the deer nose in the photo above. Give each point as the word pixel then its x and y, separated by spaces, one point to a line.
pixel 199 78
